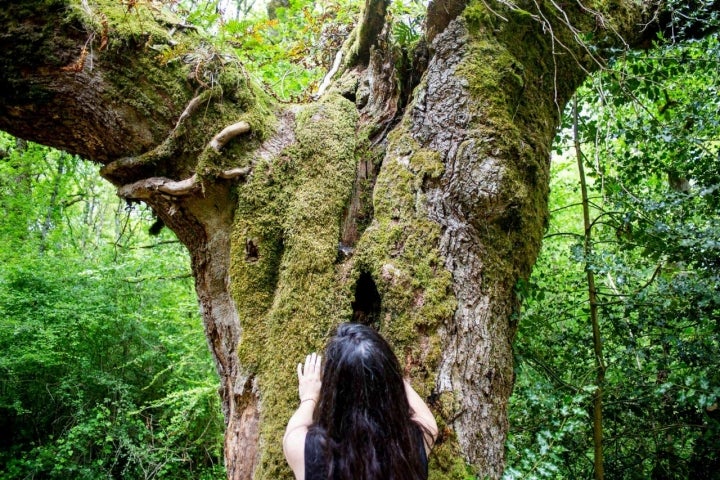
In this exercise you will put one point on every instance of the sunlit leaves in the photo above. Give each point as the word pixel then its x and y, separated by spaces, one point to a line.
pixel 663 112
pixel 407 19
pixel 288 53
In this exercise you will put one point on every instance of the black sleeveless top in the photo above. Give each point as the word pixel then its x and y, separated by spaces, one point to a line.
pixel 316 467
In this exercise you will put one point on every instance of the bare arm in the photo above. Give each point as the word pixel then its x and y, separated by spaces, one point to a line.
pixel 422 415
pixel 297 427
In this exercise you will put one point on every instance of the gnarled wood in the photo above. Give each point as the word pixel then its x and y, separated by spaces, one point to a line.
pixel 461 190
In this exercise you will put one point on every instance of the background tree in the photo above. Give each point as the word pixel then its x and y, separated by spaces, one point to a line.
pixel 426 163
pixel 649 141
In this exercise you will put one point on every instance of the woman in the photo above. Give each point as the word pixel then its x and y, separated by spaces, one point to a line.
pixel 359 420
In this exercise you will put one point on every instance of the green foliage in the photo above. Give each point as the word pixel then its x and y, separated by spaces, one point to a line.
pixel 288 53
pixel 407 19
pixel 692 19
pixel 104 372
pixel 650 132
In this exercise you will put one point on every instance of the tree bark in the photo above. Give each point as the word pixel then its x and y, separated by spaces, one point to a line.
pixel 414 210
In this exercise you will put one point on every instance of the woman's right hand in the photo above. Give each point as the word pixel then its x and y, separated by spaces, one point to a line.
pixel 309 381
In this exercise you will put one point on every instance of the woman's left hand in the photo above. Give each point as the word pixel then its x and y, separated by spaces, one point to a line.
pixel 309 378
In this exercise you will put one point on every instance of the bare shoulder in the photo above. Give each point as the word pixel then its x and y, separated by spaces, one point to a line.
pixel 294 449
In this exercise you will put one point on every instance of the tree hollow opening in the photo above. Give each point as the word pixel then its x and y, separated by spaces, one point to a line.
pixel 367 303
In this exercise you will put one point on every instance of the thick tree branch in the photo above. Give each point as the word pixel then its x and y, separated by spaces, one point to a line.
pixel 368 31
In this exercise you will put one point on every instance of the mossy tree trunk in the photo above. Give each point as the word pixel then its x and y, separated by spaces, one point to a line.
pixel 412 195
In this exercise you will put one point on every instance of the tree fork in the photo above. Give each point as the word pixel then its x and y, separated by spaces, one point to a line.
pixel 459 199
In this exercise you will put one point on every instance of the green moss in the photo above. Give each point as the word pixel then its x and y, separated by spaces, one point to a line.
pixel 518 86
pixel 141 23
pixel 292 292
pixel 400 251
pixel 347 84
pixel 446 461
pixel 239 101
pixel 138 86
pixel 288 295
pixel 152 83
pixel 123 41
pixel 154 87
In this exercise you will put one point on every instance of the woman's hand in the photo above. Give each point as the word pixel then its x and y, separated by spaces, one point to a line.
pixel 309 381
pixel 309 389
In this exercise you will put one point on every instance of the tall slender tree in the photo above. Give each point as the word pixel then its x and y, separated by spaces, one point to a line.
pixel 588 251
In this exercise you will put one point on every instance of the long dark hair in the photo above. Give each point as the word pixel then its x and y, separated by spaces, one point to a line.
pixel 363 419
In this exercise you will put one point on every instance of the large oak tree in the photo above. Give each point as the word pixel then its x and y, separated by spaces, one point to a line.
pixel 410 195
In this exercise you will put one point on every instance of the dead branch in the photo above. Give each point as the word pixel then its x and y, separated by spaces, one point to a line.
pixel 151 278
pixel 192 106
pixel 146 188
pixel 330 74
pixel 227 134
pixel 235 173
